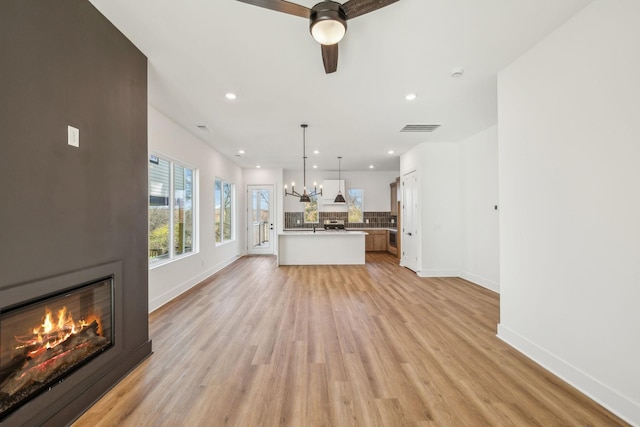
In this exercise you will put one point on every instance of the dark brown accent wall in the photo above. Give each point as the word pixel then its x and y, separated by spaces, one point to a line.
pixel 65 209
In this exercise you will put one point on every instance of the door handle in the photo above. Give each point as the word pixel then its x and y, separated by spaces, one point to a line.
pixel 408 234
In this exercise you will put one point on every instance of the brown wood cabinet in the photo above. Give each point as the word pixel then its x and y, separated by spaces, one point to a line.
pixel 375 240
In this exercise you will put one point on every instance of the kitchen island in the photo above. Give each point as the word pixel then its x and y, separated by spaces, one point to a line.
pixel 321 247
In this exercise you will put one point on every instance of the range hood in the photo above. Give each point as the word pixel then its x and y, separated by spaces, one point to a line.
pixel 330 188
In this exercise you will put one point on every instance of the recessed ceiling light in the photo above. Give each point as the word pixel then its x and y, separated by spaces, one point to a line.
pixel 240 151
pixel 230 95
pixel 411 97
pixel 457 72
pixel 371 166
pixel 315 166
pixel 257 166
pixel 390 151
pixel 316 151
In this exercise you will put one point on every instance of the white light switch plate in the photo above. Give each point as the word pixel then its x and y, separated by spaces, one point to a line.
pixel 73 136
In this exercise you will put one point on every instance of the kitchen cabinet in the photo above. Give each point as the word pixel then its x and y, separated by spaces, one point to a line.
pixel 380 241
pixel 394 191
pixel 376 240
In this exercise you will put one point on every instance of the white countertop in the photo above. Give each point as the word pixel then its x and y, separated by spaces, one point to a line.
pixel 320 233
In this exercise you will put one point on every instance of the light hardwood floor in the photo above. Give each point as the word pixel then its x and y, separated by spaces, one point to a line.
pixel 373 345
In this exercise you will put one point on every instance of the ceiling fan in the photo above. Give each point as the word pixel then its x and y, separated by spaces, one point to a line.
pixel 327 21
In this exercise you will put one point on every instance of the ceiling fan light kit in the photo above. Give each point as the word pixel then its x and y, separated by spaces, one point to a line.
pixel 327 21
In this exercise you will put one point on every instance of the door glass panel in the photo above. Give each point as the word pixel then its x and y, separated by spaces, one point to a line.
pixel 260 218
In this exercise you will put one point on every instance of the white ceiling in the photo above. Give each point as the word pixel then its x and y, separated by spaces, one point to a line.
pixel 199 50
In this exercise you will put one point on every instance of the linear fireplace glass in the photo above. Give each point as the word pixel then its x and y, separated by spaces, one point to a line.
pixel 44 340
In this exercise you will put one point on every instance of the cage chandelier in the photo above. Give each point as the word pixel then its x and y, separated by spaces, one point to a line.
pixel 304 197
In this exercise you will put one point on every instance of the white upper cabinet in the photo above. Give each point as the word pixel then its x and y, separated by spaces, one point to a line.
pixel 330 189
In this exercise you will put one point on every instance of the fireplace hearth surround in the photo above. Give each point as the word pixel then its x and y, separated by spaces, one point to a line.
pixel 57 376
pixel 44 340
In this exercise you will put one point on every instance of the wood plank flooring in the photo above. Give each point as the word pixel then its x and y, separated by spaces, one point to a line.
pixel 373 345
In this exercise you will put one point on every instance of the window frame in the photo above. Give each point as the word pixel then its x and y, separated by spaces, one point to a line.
pixel 156 262
pixel 349 204
pixel 314 200
pixel 232 211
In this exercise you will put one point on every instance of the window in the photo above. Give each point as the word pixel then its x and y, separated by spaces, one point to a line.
pixel 311 211
pixel 224 195
pixel 355 205
pixel 183 209
pixel 171 207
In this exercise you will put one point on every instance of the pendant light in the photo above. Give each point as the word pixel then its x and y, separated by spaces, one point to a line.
pixel 339 197
pixel 304 197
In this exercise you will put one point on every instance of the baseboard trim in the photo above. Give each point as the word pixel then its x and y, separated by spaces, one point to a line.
pixel 161 300
pixel 482 281
pixel 439 273
pixel 620 405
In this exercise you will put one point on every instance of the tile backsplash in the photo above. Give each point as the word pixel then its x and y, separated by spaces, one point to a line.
pixel 375 220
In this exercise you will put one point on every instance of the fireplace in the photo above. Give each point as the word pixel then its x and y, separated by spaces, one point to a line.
pixel 46 339
pixel 62 342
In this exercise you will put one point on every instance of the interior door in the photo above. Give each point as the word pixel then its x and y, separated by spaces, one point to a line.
pixel 260 229
pixel 410 243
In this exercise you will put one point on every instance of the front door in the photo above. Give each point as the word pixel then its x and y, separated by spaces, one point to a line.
pixel 410 243
pixel 260 233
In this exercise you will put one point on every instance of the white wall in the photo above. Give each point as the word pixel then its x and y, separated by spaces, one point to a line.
pixel 375 186
pixel 170 280
pixel 440 200
pixel 569 156
pixel 441 212
pixel 480 249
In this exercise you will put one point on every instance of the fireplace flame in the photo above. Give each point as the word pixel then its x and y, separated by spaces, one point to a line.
pixel 53 331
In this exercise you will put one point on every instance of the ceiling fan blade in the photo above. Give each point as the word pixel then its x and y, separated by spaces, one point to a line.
pixel 355 8
pixel 281 6
pixel 330 57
